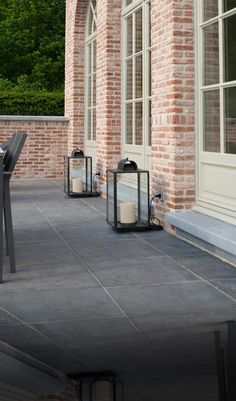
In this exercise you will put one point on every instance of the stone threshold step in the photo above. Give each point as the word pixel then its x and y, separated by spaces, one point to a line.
pixel 210 233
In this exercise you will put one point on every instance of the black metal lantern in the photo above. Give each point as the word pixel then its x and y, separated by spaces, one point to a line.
pixel 128 206
pixel 99 387
pixel 78 180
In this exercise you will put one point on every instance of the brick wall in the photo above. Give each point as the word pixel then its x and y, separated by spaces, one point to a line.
pixel 108 79
pixel 74 65
pixel 173 139
pixel 173 92
pixel 46 144
pixel 108 84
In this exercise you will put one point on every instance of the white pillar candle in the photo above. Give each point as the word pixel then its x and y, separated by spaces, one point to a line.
pixel 77 185
pixel 127 213
pixel 102 391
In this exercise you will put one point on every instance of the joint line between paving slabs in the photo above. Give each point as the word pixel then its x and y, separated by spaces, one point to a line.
pixel 200 278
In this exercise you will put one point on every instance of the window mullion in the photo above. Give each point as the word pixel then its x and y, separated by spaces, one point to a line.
pixel 145 75
pixel 134 75
pixel 221 61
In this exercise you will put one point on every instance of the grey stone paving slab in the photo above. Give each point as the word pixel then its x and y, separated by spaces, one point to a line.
pixel 143 270
pixel 65 361
pixel 28 218
pixel 34 233
pixel 22 337
pixel 6 319
pixel 166 387
pixel 120 249
pixel 91 332
pixel 172 299
pixel 48 276
pixel 208 266
pixel 29 254
pixel 177 327
pixel 153 322
pixel 79 212
pixel 105 356
pixel 82 231
pixel 226 285
pixel 174 247
pixel 60 305
pixel 196 348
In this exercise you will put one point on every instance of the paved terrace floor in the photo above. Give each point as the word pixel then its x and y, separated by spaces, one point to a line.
pixel 86 298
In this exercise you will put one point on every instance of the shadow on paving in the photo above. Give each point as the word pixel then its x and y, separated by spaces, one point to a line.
pixel 87 299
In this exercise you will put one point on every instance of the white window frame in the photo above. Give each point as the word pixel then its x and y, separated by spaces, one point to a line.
pixel 127 11
pixel 211 199
pixel 201 89
pixel 90 41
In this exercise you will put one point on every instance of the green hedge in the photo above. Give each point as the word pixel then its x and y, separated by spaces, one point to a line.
pixel 32 103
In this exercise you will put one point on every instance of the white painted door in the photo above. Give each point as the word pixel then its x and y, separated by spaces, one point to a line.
pixel 90 83
pixel 216 129
pixel 136 83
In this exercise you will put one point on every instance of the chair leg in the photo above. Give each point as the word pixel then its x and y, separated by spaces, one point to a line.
pixel 6 233
pixel 1 245
pixel 9 226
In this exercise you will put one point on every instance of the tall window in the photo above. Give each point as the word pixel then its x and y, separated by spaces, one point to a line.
pixel 137 73
pixel 90 73
pixel 218 75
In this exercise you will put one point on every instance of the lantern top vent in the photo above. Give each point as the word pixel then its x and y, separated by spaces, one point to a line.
pixel 127 165
pixel 77 152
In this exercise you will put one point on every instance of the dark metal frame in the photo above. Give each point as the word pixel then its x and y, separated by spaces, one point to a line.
pixel 90 378
pixel 13 147
pixel 88 188
pixel 138 226
pixel 1 216
pixel 226 364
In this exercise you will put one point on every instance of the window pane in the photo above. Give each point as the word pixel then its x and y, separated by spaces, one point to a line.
pixel 89 91
pixel 129 79
pixel 94 124
pixel 138 77
pixel 89 124
pixel 211 128
pixel 138 31
pixel 150 73
pixel 229 4
pixel 211 54
pixel 129 123
pixel 89 58
pixel 210 9
pixel 149 123
pixel 138 123
pixel 129 35
pixel 94 56
pixel 94 90
pixel 230 48
pixel 128 2
pixel 90 23
pixel 149 26
pixel 230 120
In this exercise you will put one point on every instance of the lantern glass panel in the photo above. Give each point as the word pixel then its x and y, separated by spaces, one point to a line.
pixel 78 175
pixel 104 389
pixel 111 197
pixel 128 199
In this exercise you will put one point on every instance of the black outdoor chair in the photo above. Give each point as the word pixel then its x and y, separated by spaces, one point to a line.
pixel 13 149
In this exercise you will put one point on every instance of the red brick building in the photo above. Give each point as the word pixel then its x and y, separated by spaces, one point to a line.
pixel 153 80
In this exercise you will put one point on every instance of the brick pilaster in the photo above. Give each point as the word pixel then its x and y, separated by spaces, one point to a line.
pixel 108 84
pixel 173 138
pixel 76 11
